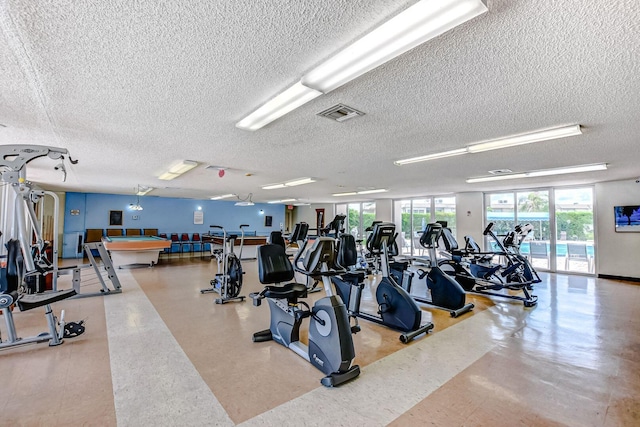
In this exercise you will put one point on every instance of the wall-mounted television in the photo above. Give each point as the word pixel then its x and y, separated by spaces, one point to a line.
pixel 627 218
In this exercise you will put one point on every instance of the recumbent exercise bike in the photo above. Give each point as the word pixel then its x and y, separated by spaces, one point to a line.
pixel 330 347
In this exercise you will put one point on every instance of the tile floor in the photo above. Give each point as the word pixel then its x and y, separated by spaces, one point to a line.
pixel 162 354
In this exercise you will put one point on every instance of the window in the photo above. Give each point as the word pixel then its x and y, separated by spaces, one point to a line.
pixel 562 238
pixel 415 214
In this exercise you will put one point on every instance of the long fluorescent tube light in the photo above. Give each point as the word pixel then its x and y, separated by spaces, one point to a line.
pixel 496 178
pixel 167 176
pixel 525 138
pixel 183 166
pixel 300 181
pixel 542 172
pixel 353 193
pixel 273 187
pixel 292 98
pixel 415 25
pixel 282 201
pixel 379 190
pixel 444 154
pixel 224 196
pixel 178 169
pixel 144 190
pixel 494 144
pixel 570 169
pixel 293 183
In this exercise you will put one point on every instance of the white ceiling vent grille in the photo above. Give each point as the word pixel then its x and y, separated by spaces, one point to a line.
pixel 340 113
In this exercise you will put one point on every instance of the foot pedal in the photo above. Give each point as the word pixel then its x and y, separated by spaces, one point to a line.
pixel 355 329
pixel 73 329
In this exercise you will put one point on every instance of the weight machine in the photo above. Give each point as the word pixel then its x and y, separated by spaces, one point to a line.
pixel 23 250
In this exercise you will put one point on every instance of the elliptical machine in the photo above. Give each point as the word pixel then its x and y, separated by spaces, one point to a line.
pixel 446 293
pixel 330 346
pixel 396 309
pixel 228 279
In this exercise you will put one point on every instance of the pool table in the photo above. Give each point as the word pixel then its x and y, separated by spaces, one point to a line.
pixel 131 250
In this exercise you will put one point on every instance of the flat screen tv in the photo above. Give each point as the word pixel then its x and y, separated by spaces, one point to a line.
pixel 627 218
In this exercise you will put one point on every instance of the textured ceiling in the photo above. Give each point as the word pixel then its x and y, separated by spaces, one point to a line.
pixel 131 87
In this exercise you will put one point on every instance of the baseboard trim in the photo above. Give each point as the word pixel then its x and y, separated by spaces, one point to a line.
pixel 628 279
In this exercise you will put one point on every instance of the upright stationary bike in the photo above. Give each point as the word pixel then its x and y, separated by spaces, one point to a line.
pixel 396 308
pixel 330 347
pixel 228 280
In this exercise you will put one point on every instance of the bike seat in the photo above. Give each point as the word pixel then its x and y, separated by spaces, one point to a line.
pixel 287 291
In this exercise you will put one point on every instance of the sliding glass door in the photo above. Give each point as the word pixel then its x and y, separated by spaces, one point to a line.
pixel 359 217
pixel 533 208
pixel 575 248
pixel 415 214
pixel 562 238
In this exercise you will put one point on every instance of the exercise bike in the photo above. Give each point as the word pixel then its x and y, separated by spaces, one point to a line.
pixel 330 347
pixel 228 279
pixel 446 293
pixel 396 309
pixel 473 271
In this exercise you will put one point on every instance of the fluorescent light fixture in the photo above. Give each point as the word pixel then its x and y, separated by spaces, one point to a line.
pixel 496 178
pixel 352 193
pixel 525 138
pixel 543 172
pixel 431 156
pixel 507 141
pixel 570 169
pixel 144 190
pixel 282 201
pixel 415 25
pixel 302 204
pixel 178 169
pixel 167 176
pixel 300 181
pixel 273 187
pixel 379 190
pixel 183 166
pixel 292 98
pixel 224 196
pixel 293 183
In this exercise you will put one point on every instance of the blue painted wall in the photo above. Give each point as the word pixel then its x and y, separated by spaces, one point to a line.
pixel 168 215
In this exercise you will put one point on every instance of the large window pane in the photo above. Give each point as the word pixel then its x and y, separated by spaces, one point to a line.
pixel 421 216
pixel 533 208
pixel 368 216
pixel 404 207
pixel 501 212
pixel 575 249
pixel 445 210
pixel 353 220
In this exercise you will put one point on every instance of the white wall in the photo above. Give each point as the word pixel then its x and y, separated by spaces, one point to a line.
pixel 618 253
pixel 384 210
pixel 469 216
pixel 308 214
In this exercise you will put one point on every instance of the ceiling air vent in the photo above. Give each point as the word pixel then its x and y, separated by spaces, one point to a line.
pixel 340 113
